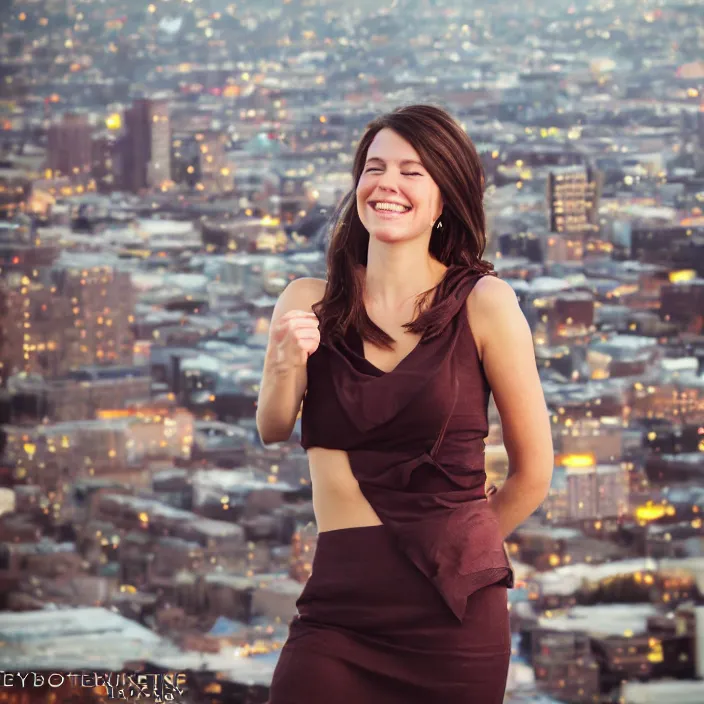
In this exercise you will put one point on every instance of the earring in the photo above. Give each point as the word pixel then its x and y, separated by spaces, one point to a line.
pixel 439 225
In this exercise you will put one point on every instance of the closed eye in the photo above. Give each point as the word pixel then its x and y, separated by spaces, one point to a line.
pixel 412 173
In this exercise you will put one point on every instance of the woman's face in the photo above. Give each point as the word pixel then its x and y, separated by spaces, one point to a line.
pixel 392 177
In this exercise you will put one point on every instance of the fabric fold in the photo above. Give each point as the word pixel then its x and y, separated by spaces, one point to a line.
pixel 414 437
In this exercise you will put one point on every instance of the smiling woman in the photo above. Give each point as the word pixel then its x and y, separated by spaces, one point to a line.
pixel 391 189
pixel 394 358
pixel 420 158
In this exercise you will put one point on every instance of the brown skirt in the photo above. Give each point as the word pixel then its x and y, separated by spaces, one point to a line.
pixel 372 629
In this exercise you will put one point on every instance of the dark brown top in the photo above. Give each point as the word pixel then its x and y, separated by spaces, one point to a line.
pixel 415 440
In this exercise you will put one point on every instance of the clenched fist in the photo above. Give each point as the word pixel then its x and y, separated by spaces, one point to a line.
pixel 295 336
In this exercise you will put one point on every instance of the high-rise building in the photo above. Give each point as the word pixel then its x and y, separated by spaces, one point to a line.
pixel 102 301
pixel 106 162
pixel 66 312
pixel 69 146
pixel 147 145
pixel 597 491
pixel 614 489
pixel 573 194
pixel 672 246
pixel 582 493
pixel 199 160
pixel 25 263
pixel 10 334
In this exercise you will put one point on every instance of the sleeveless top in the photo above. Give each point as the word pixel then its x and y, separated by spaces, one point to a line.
pixel 415 441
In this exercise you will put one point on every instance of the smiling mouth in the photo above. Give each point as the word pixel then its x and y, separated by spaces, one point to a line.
pixel 392 211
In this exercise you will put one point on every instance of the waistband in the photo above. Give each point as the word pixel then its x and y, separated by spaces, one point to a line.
pixel 357 542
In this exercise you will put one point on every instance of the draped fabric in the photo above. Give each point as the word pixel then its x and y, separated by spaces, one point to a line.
pixel 415 441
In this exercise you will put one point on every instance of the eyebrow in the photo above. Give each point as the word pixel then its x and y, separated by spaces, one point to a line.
pixel 405 161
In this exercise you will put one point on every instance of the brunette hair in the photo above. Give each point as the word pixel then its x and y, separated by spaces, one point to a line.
pixel 451 159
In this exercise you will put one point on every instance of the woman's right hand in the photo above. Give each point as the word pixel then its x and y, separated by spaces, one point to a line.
pixel 295 336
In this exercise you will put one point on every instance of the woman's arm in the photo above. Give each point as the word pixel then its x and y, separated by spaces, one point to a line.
pixel 505 346
pixel 282 388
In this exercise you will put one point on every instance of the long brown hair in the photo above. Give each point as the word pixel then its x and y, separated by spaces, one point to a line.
pixel 451 159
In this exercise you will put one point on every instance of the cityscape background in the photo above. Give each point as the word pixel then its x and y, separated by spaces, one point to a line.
pixel 166 169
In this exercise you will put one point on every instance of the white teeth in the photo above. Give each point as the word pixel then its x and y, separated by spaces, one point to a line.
pixel 390 206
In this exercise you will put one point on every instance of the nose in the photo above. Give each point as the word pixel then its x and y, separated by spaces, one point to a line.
pixel 387 182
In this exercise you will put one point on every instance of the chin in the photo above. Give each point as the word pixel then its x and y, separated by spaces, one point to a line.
pixel 389 234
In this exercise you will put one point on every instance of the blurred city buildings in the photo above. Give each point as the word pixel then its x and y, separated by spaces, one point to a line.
pixel 167 168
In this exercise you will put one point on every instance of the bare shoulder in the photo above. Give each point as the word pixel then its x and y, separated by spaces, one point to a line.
pixel 492 307
pixel 300 294
pixel 490 291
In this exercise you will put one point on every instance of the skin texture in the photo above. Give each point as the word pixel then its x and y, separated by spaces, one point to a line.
pixel 393 172
pixel 399 267
pixel 505 346
pixel 422 652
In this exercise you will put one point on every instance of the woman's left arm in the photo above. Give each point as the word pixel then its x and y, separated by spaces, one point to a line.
pixel 505 346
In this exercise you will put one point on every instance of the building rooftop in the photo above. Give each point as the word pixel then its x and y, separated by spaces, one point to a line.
pixel 568 579
pixel 96 639
pixel 603 620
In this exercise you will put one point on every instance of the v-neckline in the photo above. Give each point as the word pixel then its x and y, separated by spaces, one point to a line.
pixel 382 372
pixel 406 358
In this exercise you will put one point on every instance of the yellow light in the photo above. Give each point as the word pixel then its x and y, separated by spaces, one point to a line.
pixel 114 121
pixel 152 8
pixel 650 512
pixel 682 275
pixel 578 460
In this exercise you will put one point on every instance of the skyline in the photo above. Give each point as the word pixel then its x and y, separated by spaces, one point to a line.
pixel 167 167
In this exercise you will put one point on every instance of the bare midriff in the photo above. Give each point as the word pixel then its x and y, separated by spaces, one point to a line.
pixel 338 501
